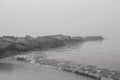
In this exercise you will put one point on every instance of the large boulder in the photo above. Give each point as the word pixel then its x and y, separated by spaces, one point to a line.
pixel 33 42
pixel 61 37
pixel 10 39
pixel 49 42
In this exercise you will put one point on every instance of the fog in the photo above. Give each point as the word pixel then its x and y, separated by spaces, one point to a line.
pixel 70 17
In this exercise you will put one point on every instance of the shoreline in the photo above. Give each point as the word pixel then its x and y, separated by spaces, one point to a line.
pixel 88 71
pixel 14 69
pixel 19 48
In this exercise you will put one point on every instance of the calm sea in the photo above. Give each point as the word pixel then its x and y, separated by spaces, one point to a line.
pixel 102 54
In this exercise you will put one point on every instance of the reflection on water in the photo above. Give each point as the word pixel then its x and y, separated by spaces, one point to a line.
pixel 15 70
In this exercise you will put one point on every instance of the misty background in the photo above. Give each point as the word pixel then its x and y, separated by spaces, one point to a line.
pixel 69 17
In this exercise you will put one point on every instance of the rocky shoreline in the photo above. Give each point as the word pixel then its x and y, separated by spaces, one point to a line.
pixel 85 70
pixel 14 47
pixel 10 45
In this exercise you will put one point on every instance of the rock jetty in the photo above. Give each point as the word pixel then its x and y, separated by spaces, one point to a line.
pixel 10 45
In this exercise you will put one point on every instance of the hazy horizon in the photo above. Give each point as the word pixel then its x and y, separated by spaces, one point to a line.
pixel 69 17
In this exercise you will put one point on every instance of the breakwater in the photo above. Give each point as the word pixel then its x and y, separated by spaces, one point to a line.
pixel 10 45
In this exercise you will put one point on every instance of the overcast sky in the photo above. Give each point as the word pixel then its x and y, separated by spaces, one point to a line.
pixel 70 17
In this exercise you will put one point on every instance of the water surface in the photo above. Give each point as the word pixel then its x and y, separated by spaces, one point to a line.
pixel 103 54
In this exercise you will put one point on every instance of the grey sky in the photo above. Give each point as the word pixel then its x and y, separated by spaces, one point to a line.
pixel 71 17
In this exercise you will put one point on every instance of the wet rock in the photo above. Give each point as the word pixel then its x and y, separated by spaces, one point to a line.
pixel 62 37
pixel 105 74
pixel 89 70
pixel 69 67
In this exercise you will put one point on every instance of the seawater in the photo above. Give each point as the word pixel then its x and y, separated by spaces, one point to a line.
pixel 102 54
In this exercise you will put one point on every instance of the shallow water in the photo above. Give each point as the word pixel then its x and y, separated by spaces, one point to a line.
pixel 16 70
pixel 103 54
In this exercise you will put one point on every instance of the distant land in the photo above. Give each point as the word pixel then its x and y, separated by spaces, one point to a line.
pixel 10 45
